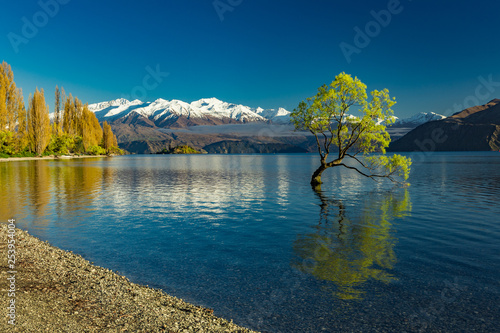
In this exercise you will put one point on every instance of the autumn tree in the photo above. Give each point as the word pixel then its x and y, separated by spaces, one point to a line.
pixel 22 129
pixel 91 129
pixel 69 116
pixel 38 122
pixel 57 111
pixel 115 141
pixel 3 102
pixel 327 115
pixel 12 110
pixel 108 137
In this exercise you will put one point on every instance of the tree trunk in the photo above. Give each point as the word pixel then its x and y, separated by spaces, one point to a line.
pixel 316 177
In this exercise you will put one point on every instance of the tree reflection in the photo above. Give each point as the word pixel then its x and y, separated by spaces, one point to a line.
pixel 41 188
pixel 350 247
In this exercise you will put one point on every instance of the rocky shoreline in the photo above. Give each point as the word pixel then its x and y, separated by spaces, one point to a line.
pixel 58 291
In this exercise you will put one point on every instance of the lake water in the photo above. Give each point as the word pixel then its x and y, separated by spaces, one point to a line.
pixel 246 236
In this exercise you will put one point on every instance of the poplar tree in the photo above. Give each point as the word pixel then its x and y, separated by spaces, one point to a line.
pixel 78 117
pixel 12 110
pixel 22 129
pixel 57 110
pixel 107 137
pixel 3 102
pixel 38 122
pixel 68 117
pixel 91 130
pixel 115 141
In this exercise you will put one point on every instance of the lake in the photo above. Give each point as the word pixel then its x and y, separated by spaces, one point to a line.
pixel 246 236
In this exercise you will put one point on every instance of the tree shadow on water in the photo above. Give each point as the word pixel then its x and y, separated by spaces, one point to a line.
pixel 351 246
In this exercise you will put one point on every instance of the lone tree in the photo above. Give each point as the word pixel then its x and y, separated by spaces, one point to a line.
pixel 327 116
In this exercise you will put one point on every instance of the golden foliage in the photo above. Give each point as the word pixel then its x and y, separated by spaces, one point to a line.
pixel 75 128
pixel 12 110
pixel 39 129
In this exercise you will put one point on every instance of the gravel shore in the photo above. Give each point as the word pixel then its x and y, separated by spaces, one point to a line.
pixel 58 291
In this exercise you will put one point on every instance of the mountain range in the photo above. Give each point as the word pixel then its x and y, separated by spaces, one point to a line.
pixel 178 114
pixel 210 111
pixel 417 120
pixel 145 127
pixel 473 129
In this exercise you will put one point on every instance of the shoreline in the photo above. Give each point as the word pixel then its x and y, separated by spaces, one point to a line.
pixel 59 291
pixel 62 157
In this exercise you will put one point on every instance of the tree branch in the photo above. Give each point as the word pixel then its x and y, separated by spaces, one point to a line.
pixel 319 145
pixel 373 176
pixel 358 160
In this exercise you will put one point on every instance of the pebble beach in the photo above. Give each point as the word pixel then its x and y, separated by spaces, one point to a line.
pixel 59 291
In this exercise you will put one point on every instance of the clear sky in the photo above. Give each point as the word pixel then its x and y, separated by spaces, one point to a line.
pixel 431 55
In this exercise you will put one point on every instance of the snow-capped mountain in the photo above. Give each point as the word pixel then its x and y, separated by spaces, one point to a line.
pixel 418 119
pixel 176 113
pixel 209 111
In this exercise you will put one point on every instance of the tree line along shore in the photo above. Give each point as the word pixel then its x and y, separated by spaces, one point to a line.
pixel 29 132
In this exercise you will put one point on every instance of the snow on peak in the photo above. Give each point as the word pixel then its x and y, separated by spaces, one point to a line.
pixel 103 105
pixel 203 108
pixel 206 108
pixel 419 118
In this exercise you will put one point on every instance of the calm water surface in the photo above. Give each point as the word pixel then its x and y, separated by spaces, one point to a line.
pixel 246 236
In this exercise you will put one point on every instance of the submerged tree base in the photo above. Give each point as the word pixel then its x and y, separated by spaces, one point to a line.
pixel 316 179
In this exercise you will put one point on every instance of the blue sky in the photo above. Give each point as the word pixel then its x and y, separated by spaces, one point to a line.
pixel 431 55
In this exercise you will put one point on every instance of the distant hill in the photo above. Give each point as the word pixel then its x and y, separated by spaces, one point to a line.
pixel 473 129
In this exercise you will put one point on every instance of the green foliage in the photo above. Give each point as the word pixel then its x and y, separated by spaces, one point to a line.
pixel 61 145
pixel 96 150
pixel 341 116
pixel 397 165
pixel 7 143
pixel 116 151
pixel 22 154
pixel 183 149
pixel 78 147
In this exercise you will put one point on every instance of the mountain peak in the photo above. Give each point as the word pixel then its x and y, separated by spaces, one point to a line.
pixel 210 100
pixel 206 111
pixel 418 119
pixel 119 101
